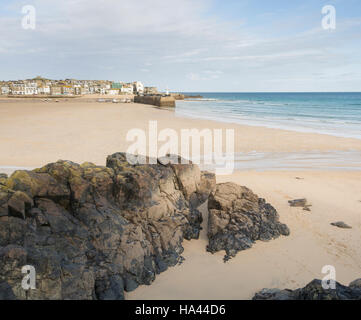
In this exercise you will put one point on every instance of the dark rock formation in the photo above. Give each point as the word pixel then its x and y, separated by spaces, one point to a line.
pixel 341 224
pixel 3 178
pixel 313 291
pixel 92 231
pixel 237 218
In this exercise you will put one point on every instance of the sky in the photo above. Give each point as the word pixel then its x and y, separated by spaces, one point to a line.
pixel 186 45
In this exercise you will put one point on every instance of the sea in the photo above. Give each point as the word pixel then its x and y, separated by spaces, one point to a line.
pixel 337 114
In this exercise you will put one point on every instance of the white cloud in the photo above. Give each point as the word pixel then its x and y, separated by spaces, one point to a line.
pixel 164 40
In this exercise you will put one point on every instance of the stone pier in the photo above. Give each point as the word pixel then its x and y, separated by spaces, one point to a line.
pixel 159 101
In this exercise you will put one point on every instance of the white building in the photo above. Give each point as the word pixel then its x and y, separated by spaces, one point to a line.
pixel 102 90
pixel 138 87
pixel 31 88
pixel 5 90
pixel 18 89
pixel 77 89
pixel 113 91
pixel 127 89
pixel 44 90
pixel 87 90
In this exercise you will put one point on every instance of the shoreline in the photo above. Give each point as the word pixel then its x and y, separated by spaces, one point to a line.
pixel 38 133
pixel 311 131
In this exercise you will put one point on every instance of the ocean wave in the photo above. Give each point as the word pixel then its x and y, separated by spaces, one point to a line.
pixel 325 116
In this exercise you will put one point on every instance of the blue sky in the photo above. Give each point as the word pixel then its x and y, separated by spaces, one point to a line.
pixel 187 45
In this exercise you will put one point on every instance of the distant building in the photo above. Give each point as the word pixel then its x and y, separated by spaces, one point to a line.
pixel 138 87
pixel 43 86
pixel 44 90
pixel 127 89
pixel 18 88
pixel 55 90
pixel 112 91
pixel 85 90
pixel 77 89
pixel 67 90
pixel 117 85
pixel 5 90
pixel 31 88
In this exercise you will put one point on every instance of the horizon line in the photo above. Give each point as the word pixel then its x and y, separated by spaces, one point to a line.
pixel 266 91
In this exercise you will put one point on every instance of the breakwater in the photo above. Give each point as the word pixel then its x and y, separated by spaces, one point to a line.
pixel 159 101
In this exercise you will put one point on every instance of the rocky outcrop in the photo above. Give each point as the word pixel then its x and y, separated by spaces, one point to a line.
pixel 237 218
pixel 314 291
pixel 92 232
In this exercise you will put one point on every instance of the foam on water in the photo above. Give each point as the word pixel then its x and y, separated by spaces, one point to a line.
pixel 337 114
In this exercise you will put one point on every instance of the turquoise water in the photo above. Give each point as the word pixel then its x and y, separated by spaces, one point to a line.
pixel 337 114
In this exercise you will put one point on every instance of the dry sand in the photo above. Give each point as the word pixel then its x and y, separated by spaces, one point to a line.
pixel 35 133
pixel 287 262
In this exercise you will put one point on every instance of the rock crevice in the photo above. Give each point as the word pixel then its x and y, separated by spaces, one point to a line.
pixel 93 232
pixel 238 218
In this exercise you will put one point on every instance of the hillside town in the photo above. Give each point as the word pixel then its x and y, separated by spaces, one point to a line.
pixel 72 87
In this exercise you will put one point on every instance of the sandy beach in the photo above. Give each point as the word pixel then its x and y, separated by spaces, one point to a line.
pixel 287 262
pixel 33 134
pixel 36 133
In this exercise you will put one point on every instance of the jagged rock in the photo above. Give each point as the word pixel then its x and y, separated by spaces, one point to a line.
pixel 341 224
pixel 313 291
pixel 14 203
pixel 111 288
pixel 92 232
pixel 237 218
pixel 3 178
pixel 356 284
